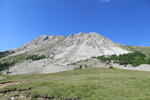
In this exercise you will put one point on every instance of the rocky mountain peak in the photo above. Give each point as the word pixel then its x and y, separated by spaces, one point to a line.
pixel 87 35
pixel 42 38
pixel 93 34
pixel 80 34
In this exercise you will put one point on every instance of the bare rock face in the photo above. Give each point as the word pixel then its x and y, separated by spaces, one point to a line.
pixel 66 50
pixel 83 46
pixel 74 47
pixel 44 39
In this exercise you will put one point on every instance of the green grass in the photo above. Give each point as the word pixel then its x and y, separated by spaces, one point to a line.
pixel 87 84
pixel 16 58
pixel 144 50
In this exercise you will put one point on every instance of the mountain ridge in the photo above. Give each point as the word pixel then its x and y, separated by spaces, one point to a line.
pixel 79 42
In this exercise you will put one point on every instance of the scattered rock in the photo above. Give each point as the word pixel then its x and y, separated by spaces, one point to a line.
pixel 71 99
pixel 12 98
pixel 7 91
pixel 41 96
pixel 13 90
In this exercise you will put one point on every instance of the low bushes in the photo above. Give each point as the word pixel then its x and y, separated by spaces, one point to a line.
pixel 5 66
pixel 35 57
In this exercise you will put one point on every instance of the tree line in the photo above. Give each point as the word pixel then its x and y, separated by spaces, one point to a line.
pixel 135 59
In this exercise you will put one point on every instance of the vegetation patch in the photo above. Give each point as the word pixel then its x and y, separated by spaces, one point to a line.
pixel 111 67
pixel 10 61
pixel 35 57
pixel 5 66
pixel 5 53
pixel 135 59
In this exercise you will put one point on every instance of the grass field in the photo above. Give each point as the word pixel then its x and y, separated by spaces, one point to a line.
pixel 86 84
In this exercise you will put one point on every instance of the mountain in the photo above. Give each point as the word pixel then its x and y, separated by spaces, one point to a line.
pixel 74 47
pixel 60 51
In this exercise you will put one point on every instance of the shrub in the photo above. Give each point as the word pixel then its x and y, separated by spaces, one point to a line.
pixel 82 66
pixel 111 67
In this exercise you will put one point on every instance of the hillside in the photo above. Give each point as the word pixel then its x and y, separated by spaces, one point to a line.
pixel 144 50
pixel 87 84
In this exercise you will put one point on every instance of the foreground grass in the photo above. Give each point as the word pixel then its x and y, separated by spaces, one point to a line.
pixel 87 84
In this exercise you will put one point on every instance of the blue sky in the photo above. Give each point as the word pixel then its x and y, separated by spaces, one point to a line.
pixel 123 21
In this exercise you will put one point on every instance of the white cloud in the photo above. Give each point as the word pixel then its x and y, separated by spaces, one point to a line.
pixel 105 0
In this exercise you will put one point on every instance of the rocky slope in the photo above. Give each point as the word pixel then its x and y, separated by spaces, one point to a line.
pixel 62 51
pixel 74 47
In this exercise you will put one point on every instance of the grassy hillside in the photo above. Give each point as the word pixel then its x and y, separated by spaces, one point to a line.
pixel 87 84
pixel 144 50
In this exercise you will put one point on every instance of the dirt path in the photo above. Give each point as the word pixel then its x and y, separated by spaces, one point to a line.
pixel 5 84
